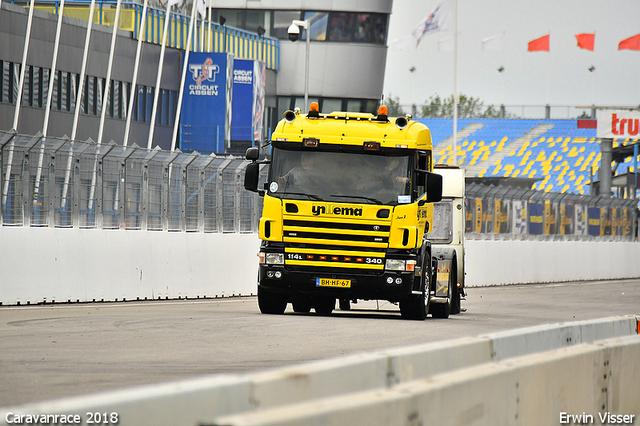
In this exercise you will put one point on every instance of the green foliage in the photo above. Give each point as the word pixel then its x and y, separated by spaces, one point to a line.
pixel 468 107
pixel 394 109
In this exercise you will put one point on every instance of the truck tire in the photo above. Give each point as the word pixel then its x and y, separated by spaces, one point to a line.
pixel 271 303
pixel 324 305
pixel 301 303
pixel 442 310
pixel 417 307
pixel 455 296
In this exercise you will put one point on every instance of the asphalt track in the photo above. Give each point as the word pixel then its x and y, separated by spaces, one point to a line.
pixel 52 351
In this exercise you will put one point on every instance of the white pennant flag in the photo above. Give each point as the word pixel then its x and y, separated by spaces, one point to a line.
pixel 492 43
pixel 441 19
pixel 201 8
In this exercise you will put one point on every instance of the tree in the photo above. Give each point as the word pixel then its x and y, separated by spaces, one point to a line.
pixel 394 109
pixel 468 107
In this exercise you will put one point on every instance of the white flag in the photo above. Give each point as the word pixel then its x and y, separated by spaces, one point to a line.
pixel 441 19
pixel 445 44
pixel 492 43
pixel 402 44
pixel 201 8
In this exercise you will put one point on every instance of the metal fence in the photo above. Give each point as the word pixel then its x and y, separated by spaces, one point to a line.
pixel 55 182
pixel 500 212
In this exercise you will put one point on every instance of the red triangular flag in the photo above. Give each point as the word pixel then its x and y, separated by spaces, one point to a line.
pixel 586 41
pixel 631 43
pixel 539 45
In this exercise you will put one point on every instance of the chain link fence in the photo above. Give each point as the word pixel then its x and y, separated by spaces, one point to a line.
pixel 55 182
pixel 500 212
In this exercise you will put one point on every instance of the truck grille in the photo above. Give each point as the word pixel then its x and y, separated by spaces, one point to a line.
pixel 341 245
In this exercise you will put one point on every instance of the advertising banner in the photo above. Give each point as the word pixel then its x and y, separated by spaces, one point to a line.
pixel 567 217
pixel 618 124
pixel 594 221
pixel 536 215
pixel 520 217
pixel 249 79
pixel 205 125
pixel 502 217
pixel 581 220
pixel 550 217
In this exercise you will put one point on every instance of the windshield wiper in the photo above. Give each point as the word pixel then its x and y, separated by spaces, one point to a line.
pixel 311 196
pixel 375 200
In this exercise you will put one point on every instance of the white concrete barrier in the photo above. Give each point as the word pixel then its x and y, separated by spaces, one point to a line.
pixel 538 389
pixel 491 379
pixel 495 262
pixel 50 264
pixel 60 265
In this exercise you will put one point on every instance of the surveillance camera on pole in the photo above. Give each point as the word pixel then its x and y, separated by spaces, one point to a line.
pixel 294 32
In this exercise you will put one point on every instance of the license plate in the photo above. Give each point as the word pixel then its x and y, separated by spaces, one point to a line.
pixel 332 282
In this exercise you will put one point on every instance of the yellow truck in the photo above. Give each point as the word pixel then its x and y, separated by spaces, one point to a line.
pixel 348 205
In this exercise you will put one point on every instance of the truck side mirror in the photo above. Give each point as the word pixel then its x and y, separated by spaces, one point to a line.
pixel 434 187
pixel 251 175
pixel 252 154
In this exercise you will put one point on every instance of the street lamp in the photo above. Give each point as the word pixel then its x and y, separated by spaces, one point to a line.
pixel 294 33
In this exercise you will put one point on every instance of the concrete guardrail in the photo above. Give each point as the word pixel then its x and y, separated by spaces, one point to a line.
pixel 529 376
pixel 45 265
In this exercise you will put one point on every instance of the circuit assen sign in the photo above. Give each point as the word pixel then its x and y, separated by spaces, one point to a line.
pixel 618 124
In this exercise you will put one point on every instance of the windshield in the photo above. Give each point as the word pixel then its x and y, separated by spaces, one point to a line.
pixel 339 176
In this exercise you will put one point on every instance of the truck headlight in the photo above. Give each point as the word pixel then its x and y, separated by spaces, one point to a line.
pixel 274 258
pixel 394 265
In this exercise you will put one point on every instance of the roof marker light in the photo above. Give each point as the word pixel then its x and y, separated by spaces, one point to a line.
pixel 371 146
pixel 382 113
pixel 310 142
pixel 314 110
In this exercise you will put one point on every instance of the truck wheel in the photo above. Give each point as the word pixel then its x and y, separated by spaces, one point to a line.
pixel 301 304
pixel 344 304
pixel 417 307
pixel 271 303
pixel 455 294
pixel 324 305
pixel 442 310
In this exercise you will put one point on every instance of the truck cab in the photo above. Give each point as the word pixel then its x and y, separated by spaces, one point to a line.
pixel 348 203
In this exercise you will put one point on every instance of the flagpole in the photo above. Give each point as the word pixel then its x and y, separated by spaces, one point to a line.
pixel 52 73
pixel 105 105
pixel 76 113
pixel 47 109
pixel 182 80
pixel 105 98
pixel 78 106
pixel 455 83
pixel 209 32
pixel 27 38
pixel 159 77
pixel 25 51
pixel 136 66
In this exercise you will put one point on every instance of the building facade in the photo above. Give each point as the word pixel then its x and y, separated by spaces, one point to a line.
pixel 346 61
pixel 348 50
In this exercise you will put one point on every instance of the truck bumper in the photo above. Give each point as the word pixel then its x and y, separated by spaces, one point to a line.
pixel 387 285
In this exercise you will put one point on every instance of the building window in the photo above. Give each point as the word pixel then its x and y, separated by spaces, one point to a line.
pixel 318 23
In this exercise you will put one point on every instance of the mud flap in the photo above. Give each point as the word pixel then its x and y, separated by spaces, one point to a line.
pixel 442 278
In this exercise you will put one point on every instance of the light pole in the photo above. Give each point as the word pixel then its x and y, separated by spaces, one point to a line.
pixel 294 33
pixel 592 70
